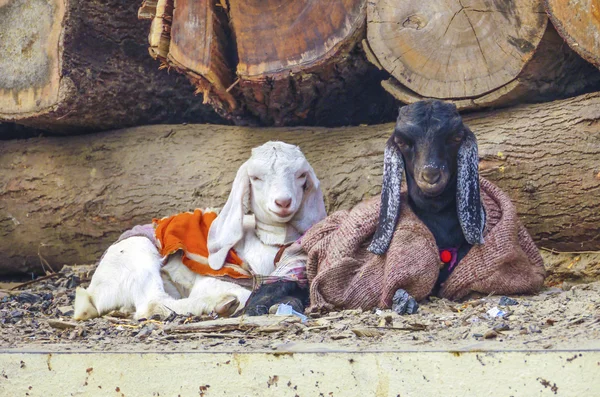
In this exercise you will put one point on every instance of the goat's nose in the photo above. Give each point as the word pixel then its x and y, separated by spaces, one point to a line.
pixel 431 175
pixel 283 202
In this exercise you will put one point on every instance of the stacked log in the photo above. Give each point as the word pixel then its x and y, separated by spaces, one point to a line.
pixel 484 54
pixel 64 200
pixel 276 62
pixel 306 62
pixel 578 22
pixel 79 66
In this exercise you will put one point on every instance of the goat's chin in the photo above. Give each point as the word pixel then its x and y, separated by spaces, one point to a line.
pixel 431 191
pixel 281 216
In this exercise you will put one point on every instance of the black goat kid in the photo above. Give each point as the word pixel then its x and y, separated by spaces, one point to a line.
pixel 438 153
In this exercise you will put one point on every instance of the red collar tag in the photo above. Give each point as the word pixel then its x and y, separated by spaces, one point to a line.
pixel 446 256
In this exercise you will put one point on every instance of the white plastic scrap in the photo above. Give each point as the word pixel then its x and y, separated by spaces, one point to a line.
pixel 286 310
pixel 495 312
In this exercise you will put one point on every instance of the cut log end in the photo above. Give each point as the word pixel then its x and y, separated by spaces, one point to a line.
pixel 578 22
pixel 29 66
pixel 446 50
pixel 554 72
pixel 295 37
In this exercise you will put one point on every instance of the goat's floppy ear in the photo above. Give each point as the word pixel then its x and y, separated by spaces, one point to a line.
pixel 393 167
pixel 228 228
pixel 312 209
pixel 471 213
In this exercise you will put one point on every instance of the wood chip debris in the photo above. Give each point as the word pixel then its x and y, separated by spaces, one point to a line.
pixel 366 332
pixel 60 324
pixel 230 324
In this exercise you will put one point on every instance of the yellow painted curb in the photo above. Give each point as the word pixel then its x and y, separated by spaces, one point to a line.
pixel 332 373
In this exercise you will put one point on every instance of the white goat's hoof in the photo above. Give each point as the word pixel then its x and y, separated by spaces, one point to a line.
pixel 84 305
pixel 227 306
pixel 155 308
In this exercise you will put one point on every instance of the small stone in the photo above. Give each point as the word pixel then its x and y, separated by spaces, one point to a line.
pixel 73 282
pixel 66 310
pixel 403 303
pixel 506 301
pixel 501 327
pixel 490 334
pixel 27 297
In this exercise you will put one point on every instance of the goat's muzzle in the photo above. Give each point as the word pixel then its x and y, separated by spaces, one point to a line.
pixel 432 181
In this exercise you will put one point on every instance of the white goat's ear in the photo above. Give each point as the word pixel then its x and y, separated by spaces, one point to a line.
pixel 312 209
pixel 471 213
pixel 393 167
pixel 228 228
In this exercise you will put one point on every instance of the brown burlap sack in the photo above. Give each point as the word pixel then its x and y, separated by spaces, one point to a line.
pixel 344 274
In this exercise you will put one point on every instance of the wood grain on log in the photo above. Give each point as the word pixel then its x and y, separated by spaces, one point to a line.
pixel 555 71
pixel 67 199
pixel 75 66
pixel 578 22
pixel 295 59
pixel 277 37
pixel 451 49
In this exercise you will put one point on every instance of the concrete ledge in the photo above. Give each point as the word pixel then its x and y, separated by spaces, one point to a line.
pixel 302 373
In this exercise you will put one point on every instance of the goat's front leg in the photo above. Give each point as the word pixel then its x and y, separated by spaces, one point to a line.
pixel 207 295
pixel 267 295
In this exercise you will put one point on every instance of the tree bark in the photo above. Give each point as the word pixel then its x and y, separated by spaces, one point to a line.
pixel 477 56
pixel 66 199
pixel 77 66
pixel 578 22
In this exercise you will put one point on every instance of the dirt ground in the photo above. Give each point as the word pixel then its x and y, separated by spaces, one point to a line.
pixel 565 315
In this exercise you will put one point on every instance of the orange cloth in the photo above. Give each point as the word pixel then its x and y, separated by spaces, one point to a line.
pixel 189 232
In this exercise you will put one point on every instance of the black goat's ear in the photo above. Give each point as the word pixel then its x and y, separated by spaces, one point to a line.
pixel 393 167
pixel 471 213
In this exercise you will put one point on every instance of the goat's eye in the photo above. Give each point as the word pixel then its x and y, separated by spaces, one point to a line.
pixel 456 138
pixel 302 175
pixel 401 142
pixel 255 178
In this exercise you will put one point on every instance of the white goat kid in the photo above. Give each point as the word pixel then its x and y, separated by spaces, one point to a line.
pixel 282 191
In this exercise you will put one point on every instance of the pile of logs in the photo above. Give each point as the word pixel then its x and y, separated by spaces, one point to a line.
pixel 78 66
pixel 281 63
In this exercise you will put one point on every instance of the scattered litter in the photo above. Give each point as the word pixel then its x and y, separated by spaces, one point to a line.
pixel 495 312
pixel 506 301
pixel 286 310
pixel 474 319
pixel 36 316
